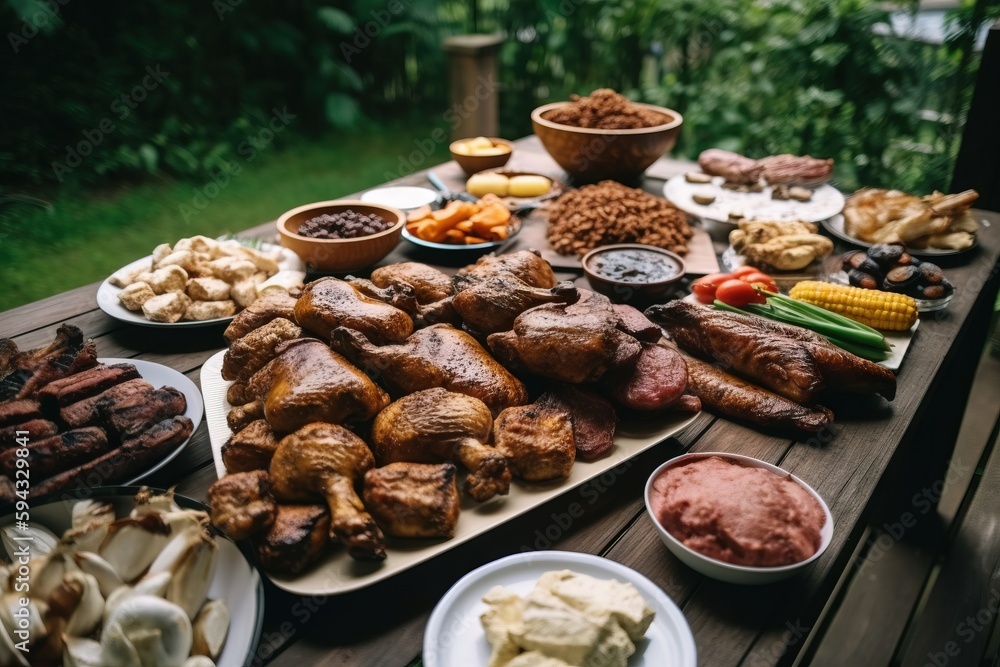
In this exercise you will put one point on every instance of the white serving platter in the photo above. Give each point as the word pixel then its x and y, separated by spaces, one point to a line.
pixel 826 201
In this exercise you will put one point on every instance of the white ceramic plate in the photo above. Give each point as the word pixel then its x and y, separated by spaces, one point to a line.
pixel 835 225
pixel 159 375
pixel 236 580
pixel 898 340
pixel 338 573
pixel 403 197
pixel 454 635
pixel 107 294
pixel 826 201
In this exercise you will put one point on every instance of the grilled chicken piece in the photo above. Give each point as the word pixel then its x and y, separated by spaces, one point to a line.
pixel 57 453
pixel 327 461
pixel 491 293
pixel 437 425
pixel 241 505
pixel 570 343
pixel 656 381
pixel 131 457
pixel 730 396
pixel 329 303
pixel 429 285
pixel 308 382
pixel 248 354
pixel 404 297
pixel 242 415
pixel 86 413
pixel 438 356
pixel 537 441
pixel 129 415
pixel 250 449
pixel 775 361
pixel 593 418
pixel 296 538
pixel 29 371
pixel 93 381
pixel 269 306
pixel 413 499
pixel 237 394
pixel 33 429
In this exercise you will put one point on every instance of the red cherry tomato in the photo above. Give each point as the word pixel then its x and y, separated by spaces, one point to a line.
pixel 759 277
pixel 744 270
pixel 704 288
pixel 737 293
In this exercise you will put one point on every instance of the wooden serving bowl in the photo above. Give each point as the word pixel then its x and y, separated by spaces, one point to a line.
pixel 341 255
pixel 473 164
pixel 591 155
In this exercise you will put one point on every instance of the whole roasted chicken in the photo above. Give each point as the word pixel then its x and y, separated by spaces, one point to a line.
pixel 438 356
pixel 308 382
pixel 495 290
pixel 327 461
pixel 329 303
pixel 572 343
pixel 436 426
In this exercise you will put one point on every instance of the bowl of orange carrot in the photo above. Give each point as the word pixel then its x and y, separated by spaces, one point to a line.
pixel 462 227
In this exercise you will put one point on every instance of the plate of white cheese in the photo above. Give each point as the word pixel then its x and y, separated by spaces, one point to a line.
pixel 557 609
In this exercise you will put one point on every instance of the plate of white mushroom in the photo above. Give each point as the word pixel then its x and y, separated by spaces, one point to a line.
pixel 124 576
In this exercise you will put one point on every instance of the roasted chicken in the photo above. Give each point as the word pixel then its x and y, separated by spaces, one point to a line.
pixel 296 538
pixel 413 499
pixel 495 290
pixel 250 449
pixel 537 441
pixel 436 426
pixel 329 303
pixel 572 343
pixel 249 354
pixel 241 504
pixel 327 461
pixel 429 285
pixel 308 382
pixel 438 356
pixel 269 306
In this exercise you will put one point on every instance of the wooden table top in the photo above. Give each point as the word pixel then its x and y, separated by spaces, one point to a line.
pixel 732 625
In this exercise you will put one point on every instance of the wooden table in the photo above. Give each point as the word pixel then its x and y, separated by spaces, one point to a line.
pixel 868 460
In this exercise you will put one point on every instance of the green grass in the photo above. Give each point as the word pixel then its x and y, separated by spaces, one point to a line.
pixel 82 237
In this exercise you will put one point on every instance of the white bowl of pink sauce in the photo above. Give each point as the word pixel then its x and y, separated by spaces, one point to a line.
pixel 742 536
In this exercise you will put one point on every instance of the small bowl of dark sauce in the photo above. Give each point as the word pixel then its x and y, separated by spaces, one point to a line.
pixel 632 272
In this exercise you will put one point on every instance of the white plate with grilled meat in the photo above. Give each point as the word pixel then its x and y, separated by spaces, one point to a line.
pixel 337 573
pixel 107 294
pixel 159 375
pixel 455 636
pixel 826 201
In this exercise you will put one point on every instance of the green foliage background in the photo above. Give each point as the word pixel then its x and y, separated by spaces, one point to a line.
pixel 806 76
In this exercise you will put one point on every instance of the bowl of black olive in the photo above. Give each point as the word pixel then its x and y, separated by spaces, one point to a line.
pixel 341 235
pixel 889 267
pixel 633 273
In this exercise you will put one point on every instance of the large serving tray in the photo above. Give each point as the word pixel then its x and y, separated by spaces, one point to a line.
pixel 337 573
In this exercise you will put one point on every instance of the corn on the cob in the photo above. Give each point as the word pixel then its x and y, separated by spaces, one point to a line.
pixel 887 311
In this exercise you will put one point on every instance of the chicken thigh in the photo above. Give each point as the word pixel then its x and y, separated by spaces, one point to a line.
pixel 327 461
pixel 537 441
pixel 329 303
pixel 437 425
pixel 308 382
pixel 429 284
pixel 413 499
pixel 438 356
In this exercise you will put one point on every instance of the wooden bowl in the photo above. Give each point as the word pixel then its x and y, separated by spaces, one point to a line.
pixel 591 155
pixel 473 164
pixel 340 255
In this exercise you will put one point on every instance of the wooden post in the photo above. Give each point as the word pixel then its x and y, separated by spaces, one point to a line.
pixel 978 163
pixel 472 67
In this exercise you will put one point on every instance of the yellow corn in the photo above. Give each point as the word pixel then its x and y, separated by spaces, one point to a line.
pixel 880 310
